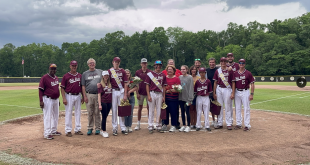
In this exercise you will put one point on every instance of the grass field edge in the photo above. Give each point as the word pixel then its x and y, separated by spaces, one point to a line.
pixel 289 113
pixel 16 159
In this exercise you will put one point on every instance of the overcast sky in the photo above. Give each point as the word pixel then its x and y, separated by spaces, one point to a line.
pixel 23 22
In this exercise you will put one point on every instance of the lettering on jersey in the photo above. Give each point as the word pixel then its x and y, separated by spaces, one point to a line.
pixel 241 78
pixel 202 88
pixel 120 74
pixel 73 80
pixel 160 77
pixel 226 74
pixel 54 83
pixel 107 90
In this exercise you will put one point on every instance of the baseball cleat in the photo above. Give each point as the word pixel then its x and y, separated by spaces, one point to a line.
pixel 97 132
pixel 56 133
pixel 218 127
pixel 150 131
pixel 125 132
pixel 208 129
pixel 237 127
pixel 90 131
pixel 229 127
pixel 198 129
pixel 114 133
pixel 78 133
pixel 49 137
pixel 69 134
pixel 246 129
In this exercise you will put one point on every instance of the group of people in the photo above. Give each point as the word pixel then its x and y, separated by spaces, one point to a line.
pixel 189 89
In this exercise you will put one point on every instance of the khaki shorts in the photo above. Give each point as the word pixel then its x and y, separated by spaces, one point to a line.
pixel 142 97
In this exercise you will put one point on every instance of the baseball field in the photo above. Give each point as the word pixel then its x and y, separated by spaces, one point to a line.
pixel 280 134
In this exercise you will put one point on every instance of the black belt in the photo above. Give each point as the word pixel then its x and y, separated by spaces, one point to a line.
pixel 222 86
pixel 73 93
pixel 51 98
pixel 92 93
pixel 155 92
pixel 241 89
pixel 117 89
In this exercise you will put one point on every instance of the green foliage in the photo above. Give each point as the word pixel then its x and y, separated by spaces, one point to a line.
pixel 277 48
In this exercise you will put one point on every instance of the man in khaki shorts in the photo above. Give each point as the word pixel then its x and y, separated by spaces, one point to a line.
pixel 90 79
pixel 141 93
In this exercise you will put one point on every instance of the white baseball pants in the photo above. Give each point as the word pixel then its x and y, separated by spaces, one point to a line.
pixel 157 100
pixel 117 96
pixel 242 98
pixel 223 97
pixel 203 104
pixel 50 115
pixel 73 101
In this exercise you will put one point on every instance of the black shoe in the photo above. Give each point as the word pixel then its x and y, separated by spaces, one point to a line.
pixel 208 129
pixel 125 132
pixel 198 129
pixel 114 133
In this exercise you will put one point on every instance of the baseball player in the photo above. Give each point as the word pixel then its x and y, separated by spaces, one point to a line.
pixel 203 88
pixel 71 94
pixel 118 79
pixel 90 78
pixel 242 80
pixel 141 93
pixel 223 93
pixel 49 102
pixel 155 83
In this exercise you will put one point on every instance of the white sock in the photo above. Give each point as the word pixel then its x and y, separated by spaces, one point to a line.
pixel 138 122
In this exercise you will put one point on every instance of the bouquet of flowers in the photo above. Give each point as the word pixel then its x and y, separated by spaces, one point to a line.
pixel 135 81
pixel 177 88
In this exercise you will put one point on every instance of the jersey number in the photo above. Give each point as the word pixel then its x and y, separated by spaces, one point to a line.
pixel 243 81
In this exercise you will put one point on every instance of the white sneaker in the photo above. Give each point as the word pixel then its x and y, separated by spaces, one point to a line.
pixel 187 129
pixel 137 127
pixel 213 122
pixel 129 129
pixel 172 129
pixel 182 129
pixel 104 134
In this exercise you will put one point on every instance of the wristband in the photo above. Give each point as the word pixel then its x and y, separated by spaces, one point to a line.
pixel 252 93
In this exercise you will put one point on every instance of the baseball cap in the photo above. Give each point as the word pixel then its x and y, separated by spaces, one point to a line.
pixel 230 54
pixel 73 62
pixel 158 62
pixel 242 60
pixel 202 69
pixel 143 60
pixel 105 72
pixel 117 59
pixel 223 59
pixel 53 66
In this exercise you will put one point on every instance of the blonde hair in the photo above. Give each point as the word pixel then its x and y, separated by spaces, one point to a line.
pixel 103 84
pixel 91 59
pixel 173 68
pixel 127 70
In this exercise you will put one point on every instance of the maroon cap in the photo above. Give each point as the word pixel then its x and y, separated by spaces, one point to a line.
pixel 202 69
pixel 230 54
pixel 117 59
pixel 242 60
pixel 223 59
pixel 53 66
pixel 73 62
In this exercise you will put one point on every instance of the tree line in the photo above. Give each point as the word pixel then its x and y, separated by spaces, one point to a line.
pixel 276 48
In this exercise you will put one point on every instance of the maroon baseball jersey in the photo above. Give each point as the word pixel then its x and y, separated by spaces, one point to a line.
pixel 106 94
pixel 227 74
pixel 142 85
pixel 243 80
pixel 161 78
pixel 234 66
pixel 71 83
pixel 50 86
pixel 203 88
pixel 121 73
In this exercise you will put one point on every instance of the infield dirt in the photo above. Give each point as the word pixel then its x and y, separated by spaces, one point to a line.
pixel 275 138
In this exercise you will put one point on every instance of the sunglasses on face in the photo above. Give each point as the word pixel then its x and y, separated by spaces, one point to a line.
pixel 241 62
pixel 197 59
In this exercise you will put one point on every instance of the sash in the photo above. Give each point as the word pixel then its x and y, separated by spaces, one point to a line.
pixel 114 75
pixel 155 81
pixel 221 75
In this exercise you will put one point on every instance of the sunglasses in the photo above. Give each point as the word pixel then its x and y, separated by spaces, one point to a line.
pixel 197 59
pixel 158 62
pixel 241 62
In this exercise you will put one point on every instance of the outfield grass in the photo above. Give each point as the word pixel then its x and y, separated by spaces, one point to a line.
pixel 278 83
pixel 18 84
pixel 11 102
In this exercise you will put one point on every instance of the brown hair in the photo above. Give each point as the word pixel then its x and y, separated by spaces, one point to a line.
pixel 186 67
pixel 173 67
pixel 191 68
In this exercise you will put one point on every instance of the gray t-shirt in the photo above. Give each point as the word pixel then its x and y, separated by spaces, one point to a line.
pixel 90 80
pixel 187 93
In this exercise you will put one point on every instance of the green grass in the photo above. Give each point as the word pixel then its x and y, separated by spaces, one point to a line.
pixel 18 84
pixel 29 98
pixel 278 83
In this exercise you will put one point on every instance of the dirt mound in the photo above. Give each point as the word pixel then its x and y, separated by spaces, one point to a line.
pixel 275 138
